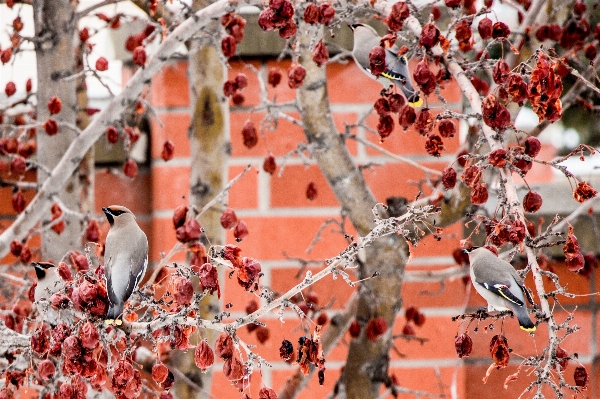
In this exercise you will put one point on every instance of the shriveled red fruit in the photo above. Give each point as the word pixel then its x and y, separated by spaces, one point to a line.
pixel 532 146
pixel 471 175
pixel 159 372
pixel 320 55
pixel 434 145
pixel 296 75
pixel 267 393
pixel 189 231
pixel 274 75
pixel 89 336
pixel 396 18
pixel 204 356
pixel 228 46
pixel 286 350
pixel 130 169
pixel 485 28
pixel 112 135
pixel 46 369
pixel 183 291
pixel 270 164
pixel 18 201
pixel 139 56
pixel 5 55
pixel 10 89
pixel 376 328
pixel 395 102
pixel 240 231
pixel 168 150
pixel 101 64
pixel 228 219
pixel 64 271
pixel 354 329
pixel 233 369
pixel 408 329
pixel 224 346
pixel 430 36
pixel 311 191
pixel 311 14
pixel 249 134
pixel 446 128
pixel 584 192
pixel 497 157
pixel 54 105
pixel 406 116
pixel 385 126
pixel 209 279
pixel 499 351
pixel 449 178
pixel 562 358
pixel 479 194
pixel 532 202
pixel 424 78
pixel 500 30
pixel 580 375
pixel 18 165
pixel 326 13
pixel 262 334
pixel 463 345
pixel 377 60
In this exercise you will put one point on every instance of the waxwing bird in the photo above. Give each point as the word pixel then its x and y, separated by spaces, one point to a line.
pixel 365 38
pixel 500 285
pixel 125 258
pixel 48 280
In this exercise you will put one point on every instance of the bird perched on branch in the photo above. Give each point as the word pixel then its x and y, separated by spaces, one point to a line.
pixel 48 280
pixel 125 258
pixel 396 71
pixel 500 285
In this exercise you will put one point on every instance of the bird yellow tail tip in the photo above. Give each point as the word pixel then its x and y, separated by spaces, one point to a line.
pixel 530 329
pixel 417 103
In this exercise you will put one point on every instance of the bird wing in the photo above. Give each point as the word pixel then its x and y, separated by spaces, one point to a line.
pixel 109 259
pixel 138 263
pixel 503 291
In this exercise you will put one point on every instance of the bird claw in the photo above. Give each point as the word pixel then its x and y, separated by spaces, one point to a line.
pixel 118 322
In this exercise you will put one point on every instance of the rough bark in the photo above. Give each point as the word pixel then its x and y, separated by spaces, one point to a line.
pixel 209 145
pixel 55 53
pixel 367 363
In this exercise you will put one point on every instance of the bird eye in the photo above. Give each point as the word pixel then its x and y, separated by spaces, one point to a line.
pixel 117 212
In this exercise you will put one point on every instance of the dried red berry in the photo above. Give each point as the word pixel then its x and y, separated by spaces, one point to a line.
pixel 354 329
pixel 446 128
pixel 112 135
pixel 375 328
pixel 407 116
pixel 396 18
pixel 101 64
pixel 228 46
pixel 532 202
pixel 240 231
pixel 499 351
pixel 320 55
pixel 15 247
pixel 296 75
pixel 311 14
pixel 233 369
pixel 159 372
pixel 204 356
pixel 249 134
pixel 500 30
pixel 479 194
pixel 449 178
pixel 311 191
pixel 396 102
pixel 274 75
pixel 377 60
pixel 228 218
pixel 168 150
pixel 409 330
pixel 286 350
pixel 18 201
pixel 18 165
pixel 270 164
pixel 209 279
pixel 139 56
pixel 463 31
pixel 326 13
pixel 463 345
pixel 580 375
pixel 46 369
pixel 262 334
pixel 385 127
pixel 89 336
pixel 485 28
pixel 54 105
pixel 130 169
pixel 424 78
pixel 584 192
pixel 5 55
pixel 183 291
pixel 10 89
pixel 562 358
pixel 434 145
pixel 430 36
pixel 424 122
pixel 500 72
pixel 190 231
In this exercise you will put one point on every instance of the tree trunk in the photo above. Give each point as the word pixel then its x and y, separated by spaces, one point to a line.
pixel 55 25
pixel 367 363
pixel 209 142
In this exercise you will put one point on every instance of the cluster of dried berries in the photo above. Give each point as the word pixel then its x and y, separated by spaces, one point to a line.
pixel 584 192
pixel 229 220
pixel 89 295
pixel 494 114
pixel 248 269
pixel 574 259
pixel 413 316
pixel 187 229
pixel 544 89
pixel 279 15
pixel 463 345
pixel 233 88
pixel 133 41
pixel 162 376
pixel 464 35
pixel 397 16
pixel 383 106
pixel 235 25
pixel 320 55
pixel 310 351
pixel 502 232
pixel 126 381
pixel 233 368
pixel 376 327
pixel 322 14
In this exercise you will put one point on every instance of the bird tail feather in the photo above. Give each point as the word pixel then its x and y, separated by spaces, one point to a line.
pixel 114 311
pixel 524 321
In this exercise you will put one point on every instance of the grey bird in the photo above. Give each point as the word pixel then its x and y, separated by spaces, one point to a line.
pixel 396 73
pixel 125 258
pixel 48 280
pixel 500 285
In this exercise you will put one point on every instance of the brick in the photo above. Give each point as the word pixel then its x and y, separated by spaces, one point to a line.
pixel 539 173
pixel 347 84
pixel 170 86
pixel 171 185
pixel 252 91
pixel 313 389
pixel 439 332
pixel 113 189
pixel 163 239
pixel 6 193
pixel 291 235
pixel 244 193
pixel 222 388
pixel 289 190
pixel 421 294
pixel 334 293
pixel 175 128
pixel 278 142
pixel 430 246
pixel 379 182
pixel 408 142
